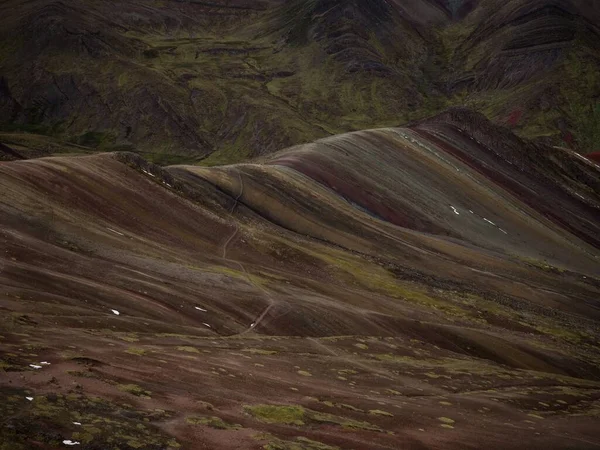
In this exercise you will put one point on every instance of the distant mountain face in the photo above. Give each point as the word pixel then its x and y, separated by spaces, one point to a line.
pixel 227 80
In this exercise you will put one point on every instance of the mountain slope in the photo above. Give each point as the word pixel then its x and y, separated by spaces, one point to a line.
pixel 221 82
pixel 322 297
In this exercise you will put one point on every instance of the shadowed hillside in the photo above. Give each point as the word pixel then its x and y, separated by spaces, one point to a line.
pixel 220 82
pixel 431 286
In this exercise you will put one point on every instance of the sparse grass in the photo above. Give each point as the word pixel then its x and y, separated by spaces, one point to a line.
pixel 543 265
pixel 283 414
pixel 104 424
pixel 130 337
pixel 378 412
pixel 298 415
pixel 188 349
pixel 259 351
pixel 213 422
pixel 300 443
pixel 134 389
pixel 350 407
pixel 446 420
pixel 136 351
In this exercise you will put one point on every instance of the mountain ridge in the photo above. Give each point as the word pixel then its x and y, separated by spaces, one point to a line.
pixel 346 293
pixel 220 83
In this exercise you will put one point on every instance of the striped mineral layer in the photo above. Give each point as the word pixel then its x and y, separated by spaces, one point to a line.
pixel 432 286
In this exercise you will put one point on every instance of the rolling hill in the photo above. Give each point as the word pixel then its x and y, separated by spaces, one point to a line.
pixel 428 286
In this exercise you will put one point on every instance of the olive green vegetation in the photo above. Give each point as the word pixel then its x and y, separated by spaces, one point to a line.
pixel 212 422
pixel 136 351
pixel 226 92
pixel 259 351
pixel 104 424
pixel 582 83
pixel 299 416
pixel 134 389
pixel 300 443
pixel 188 349
pixel 288 415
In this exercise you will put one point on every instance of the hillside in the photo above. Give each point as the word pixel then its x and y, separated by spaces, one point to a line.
pixel 222 81
pixel 429 286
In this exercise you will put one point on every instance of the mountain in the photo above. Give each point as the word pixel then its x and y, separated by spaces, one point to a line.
pixel 222 81
pixel 428 286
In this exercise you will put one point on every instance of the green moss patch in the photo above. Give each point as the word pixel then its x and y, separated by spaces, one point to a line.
pixel 259 351
pixel 213 422
pixel 298 415
pixel 134 389
pixel 287 415
pixel 378 412
pixel 187 348
pixel 48 419
pixel 136 351
pixel 300 443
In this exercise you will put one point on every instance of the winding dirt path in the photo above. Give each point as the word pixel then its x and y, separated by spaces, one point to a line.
pixel 237 227
pixel 226 245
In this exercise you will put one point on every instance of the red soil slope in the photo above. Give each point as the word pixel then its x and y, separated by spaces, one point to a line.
pixel 425 287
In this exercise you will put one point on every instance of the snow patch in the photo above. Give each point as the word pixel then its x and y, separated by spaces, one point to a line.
pixel 70 442
pixel 76 423
pixel 115 231
pixel 489 221
pixel 115 312
pixel 35 366
pixel 502 230
pixel 455 211
pixel 200 309
pixel 29 398
pixel 205 324
pixel 45 363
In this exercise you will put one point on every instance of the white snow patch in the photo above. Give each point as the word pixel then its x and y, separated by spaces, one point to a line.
pixel 252 325
pixel 76 423
pixel 29 398
pixel 115 312
pixel 206 325
pixel 70 442
pixel 455 211
pixel 35 366
pixel 200 309
pixel 580 196
pixel 489 221
pixel 502 230
pixel 471 212
pixel 45 363
pixel 115 231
